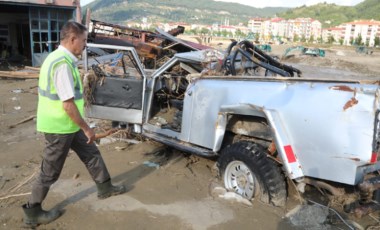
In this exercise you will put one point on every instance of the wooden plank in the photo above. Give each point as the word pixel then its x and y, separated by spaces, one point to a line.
pixel 19 74
pixel 32 68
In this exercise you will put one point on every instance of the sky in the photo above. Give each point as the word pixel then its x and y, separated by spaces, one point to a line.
pixel 273 3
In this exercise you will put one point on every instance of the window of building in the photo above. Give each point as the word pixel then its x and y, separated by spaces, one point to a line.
pixel 45 24
pixel 4 34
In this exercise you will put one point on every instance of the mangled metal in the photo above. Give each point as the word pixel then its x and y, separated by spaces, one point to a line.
pixel 150 46
pixel 245 57
pixel 319 131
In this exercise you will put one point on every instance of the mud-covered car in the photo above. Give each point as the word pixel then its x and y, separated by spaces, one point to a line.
pixel 251 112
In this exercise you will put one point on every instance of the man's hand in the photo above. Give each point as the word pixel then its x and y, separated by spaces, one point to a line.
pixel 90 134
pixel 72 110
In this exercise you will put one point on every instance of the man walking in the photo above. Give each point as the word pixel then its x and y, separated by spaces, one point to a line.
pixel 60 117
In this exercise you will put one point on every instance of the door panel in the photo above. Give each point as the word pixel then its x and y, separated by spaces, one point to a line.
pixel 120 93
pixel 116 97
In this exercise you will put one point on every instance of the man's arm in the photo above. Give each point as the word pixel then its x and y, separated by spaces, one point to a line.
pixel 71 109
pixel 64 84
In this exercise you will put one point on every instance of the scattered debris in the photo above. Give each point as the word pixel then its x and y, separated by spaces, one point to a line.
pixel 17 102
pixel 105 134
pixel 108 140
pixel 160 121
pixel 76 176
pixel 340 53
pixel 218 191
pixel 22 121
pixel 15 195
pixel 17 91
pixel 308 216
pixel 236 198
pixel 9 193
pixel 151 164
pixel 120 148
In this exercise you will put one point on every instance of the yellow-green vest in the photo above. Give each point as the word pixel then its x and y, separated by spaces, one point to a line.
pixel 51 117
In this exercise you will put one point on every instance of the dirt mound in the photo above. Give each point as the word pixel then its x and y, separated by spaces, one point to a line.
pixel 334 63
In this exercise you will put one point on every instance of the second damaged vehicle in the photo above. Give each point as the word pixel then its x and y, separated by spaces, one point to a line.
pixel 252 113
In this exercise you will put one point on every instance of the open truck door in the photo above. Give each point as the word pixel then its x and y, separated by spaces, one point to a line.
pixel 117 88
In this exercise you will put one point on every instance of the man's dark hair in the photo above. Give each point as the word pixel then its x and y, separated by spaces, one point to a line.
pixel 71 27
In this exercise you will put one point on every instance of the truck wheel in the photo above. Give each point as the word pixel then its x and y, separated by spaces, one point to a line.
pixel 246 170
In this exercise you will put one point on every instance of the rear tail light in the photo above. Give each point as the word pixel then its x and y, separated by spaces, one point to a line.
pixel 376 138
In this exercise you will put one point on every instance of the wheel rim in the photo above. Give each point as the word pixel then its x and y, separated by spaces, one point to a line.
pixel 239 178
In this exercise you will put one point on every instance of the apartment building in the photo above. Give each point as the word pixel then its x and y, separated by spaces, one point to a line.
pixel 273 28
pixel 277 28
pixel 255 25
pixel 367 29
pixel 303 28
pixel 337 33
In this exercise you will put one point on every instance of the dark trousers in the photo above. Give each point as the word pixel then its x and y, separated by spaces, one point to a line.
pixel 55 153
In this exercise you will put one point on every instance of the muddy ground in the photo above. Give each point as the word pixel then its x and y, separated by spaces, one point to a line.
pixel 167 189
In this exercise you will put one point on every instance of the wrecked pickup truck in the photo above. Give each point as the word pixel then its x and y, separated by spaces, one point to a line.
pixel 254 115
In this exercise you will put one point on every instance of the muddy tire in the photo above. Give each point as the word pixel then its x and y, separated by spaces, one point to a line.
pixel 246 170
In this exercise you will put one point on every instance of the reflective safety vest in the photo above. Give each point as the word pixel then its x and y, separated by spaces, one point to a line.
pixel 51 117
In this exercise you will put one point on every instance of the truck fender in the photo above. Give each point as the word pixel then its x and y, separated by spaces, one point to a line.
pixel 284 146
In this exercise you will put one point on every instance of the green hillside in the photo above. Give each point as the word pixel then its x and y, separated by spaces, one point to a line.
pixel 332 15
pixel 200 11
pixel 369 9
pixel 209 11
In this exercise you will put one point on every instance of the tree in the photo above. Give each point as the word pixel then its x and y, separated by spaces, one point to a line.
pixel 257 36
pixel 330 39
pixel 224 33
pixel 204 31
pixel 341 41
pixel 303 38
pixel 237 33
pixel 295 38
pixel 320 40
pixel 311 39
pixel 193 31
pixel 359 40
pixel 377 41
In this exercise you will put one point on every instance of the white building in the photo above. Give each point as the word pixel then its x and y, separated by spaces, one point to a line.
pixel 316 29
pixel 277 28
pixel 304 27
pixel 367 29
pixel 274 29
pixel 256 24
pixel 336 32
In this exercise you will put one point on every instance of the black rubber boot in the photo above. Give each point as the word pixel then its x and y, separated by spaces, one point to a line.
pixel 35 215
pixel 106 189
